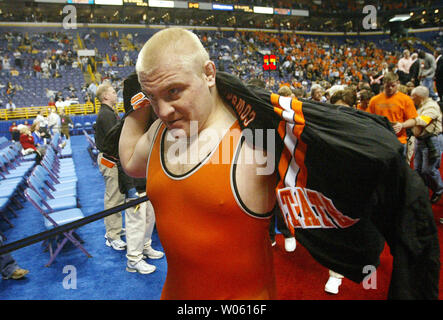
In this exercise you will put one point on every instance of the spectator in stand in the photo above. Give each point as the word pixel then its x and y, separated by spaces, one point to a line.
pixel 66 124
pixel 10 105
pixel 414 70
pixel 50 94
pixel 409 87
pixel 427 73
pixel 364 96
pixel 44 66
pixel 59 104
pixel 51 102
pixel 285 91
pixel 403 65
pixel 114 59
pixel 5 63
pixel 58 95
pixel 346 97
pixel 53 121
pixel 39 140
pixel 10 90
pixel 427 151
pixel 28 144
pixel 375 81
pixel 15 133
pixel 317 93
pixel 37 70
pixel 126 60
pixel 396 106
pixel 43 125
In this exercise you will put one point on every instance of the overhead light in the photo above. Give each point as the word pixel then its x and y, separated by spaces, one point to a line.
pixel 436 11
pixel 411 14
pixel 400 17
pixel 424 12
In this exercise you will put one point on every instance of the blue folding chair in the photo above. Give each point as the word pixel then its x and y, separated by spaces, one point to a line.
pixel 42 180
pixel 55 219
pixel 68 195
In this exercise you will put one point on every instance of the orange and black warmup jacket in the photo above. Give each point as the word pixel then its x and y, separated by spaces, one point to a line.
pixel 345 187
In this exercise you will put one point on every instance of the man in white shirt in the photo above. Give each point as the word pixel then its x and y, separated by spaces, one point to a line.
pixel 53 121
pixel 10 105
pixel 41 119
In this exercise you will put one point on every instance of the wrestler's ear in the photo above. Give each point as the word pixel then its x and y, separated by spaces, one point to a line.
pixel 209 72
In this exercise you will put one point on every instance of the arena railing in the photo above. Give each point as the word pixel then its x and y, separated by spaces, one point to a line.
pixel 73 109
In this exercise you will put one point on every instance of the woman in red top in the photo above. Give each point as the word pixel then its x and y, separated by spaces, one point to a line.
pixel 27 141
pixel 28 144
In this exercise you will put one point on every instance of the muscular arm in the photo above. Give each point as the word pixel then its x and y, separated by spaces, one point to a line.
pixel 135 143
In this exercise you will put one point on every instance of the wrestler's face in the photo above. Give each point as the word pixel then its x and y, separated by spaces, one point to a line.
pixel 179 93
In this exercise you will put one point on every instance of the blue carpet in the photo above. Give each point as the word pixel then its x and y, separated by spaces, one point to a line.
pixel 73 276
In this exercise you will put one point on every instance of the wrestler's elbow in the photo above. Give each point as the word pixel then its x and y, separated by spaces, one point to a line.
pixel 133 168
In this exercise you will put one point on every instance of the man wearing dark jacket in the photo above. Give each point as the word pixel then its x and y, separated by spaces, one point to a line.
pixel 414 70
pixel 106 119
pixel 140 220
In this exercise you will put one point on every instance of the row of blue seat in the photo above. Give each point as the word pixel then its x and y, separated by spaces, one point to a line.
pixel 14 169
pixel 52 190
pixel 92 148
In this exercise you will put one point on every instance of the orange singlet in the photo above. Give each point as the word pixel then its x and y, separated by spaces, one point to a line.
pixel 214 249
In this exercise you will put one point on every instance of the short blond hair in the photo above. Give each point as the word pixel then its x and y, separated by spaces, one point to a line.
pixel 168 42
pixel 390 77
pixel 102 89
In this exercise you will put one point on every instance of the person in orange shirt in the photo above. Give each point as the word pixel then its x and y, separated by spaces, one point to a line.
pixel 394 105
